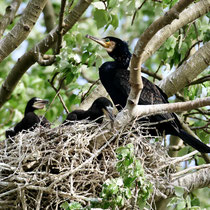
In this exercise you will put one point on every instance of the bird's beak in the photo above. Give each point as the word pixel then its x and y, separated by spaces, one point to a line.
pixel 108 111
pixel 102 42
pixel 40 103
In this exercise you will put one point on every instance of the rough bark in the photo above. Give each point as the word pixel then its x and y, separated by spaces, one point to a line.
pixel 22 29
pixel 189 70
pixel 28 59
pixel 9 15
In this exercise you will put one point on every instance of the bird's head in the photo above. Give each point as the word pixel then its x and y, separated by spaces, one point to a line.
pixel 105 105
pixel 35 103
pixel 115 47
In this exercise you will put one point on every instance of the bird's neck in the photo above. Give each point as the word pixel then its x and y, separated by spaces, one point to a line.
pixel 123 59
pixel 28 109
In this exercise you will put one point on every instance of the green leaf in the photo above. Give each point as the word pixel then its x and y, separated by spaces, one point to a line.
pixel 112 3
pixel 85 56
pixel 65 205
pixel 181 205
pixel 171 42
pixel 179 191
pixel 114 21
pixel 101 17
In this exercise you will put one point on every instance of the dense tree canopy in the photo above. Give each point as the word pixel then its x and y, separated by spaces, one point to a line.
pixel 44 53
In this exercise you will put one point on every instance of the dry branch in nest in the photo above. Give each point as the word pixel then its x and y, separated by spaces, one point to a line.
pixel 45 167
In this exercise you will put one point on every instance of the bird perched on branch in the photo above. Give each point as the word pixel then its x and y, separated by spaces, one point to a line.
pixel 30 120
pixel 114 76
pixel 100 107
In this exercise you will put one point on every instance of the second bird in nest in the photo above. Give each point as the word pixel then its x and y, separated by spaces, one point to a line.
pixel 100 107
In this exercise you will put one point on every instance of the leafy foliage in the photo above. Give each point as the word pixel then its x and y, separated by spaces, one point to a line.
pixel 130 183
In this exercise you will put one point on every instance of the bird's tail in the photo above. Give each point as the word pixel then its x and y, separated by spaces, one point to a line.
pixel 193 142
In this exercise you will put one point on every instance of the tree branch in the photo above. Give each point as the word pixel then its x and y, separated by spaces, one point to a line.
pixel 187 16
pixel 187 71
pixel 28 59
pixel 60 27
pixel 136 60
pixel 141 110
pixel 189 182
pixel 49 16
pixel 9 15
pixel 22 29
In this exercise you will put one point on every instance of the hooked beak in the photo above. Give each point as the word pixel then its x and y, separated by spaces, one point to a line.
pixel 102 42
pixel 40 103
pixel 108 111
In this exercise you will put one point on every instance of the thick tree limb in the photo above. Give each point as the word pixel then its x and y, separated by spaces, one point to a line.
pixel 147 110
pixel 189 182
pixel 136 60
pixel 9 15
pixel 187 16
pixel 141 110
pixel 28 59
pixel 187 71
pixel 22 29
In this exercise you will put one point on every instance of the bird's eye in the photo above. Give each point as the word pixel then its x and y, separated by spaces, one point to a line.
pixel 107 40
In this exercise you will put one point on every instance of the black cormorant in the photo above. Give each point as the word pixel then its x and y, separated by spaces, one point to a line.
pixel 115 78
pixel 30 120
pixel 98 108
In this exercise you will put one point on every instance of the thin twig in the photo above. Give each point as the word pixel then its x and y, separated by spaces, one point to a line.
pixel 57 90
pixel 84 96
pixel 134 15
pixel 188 53
pixel 152 74
pixel 200 80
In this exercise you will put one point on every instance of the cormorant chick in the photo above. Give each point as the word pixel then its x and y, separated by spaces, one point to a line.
pixel 98 108
pixel 115 78
pixel 30 120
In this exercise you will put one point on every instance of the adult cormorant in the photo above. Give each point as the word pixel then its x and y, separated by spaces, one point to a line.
pixel 30 120
pixel 115 78
pixel 98 108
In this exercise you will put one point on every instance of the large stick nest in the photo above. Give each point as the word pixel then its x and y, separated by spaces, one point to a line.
pixel 43 168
